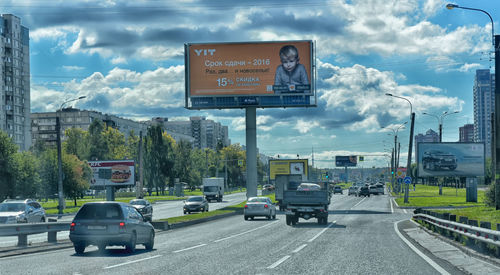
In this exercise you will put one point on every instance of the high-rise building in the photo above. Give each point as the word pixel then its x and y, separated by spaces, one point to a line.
pixel 430 136
pixel 15 80
pixel 484 106
pixel 206 133
pixel 466 133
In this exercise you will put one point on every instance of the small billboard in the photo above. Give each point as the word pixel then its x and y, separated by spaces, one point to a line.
pixel 260 74
pixel 450 159
pixel 346 161
pixel 112 172
pixel 288 167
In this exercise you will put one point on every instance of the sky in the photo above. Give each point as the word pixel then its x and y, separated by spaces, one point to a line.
pixel 127 58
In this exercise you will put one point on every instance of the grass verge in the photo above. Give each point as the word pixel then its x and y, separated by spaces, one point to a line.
pixel 428 196
pixel 483 213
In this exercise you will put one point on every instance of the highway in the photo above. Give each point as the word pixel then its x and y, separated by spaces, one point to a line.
pixel 161 210
pixel 360 238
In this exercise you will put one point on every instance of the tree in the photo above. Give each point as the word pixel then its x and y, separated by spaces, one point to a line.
pixel 158 158
pixel 230 156
pixel 99 149
pixel 7 162
pixel 48 173
pixel 77 143
pixel 76 176
pixel 183 163
pixel 115 140
pixel 27 179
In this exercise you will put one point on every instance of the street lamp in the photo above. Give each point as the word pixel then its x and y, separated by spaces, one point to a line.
pixel 60 195
pixel 495 40
pixel 410 142
pixel 440 121
pixel 396 158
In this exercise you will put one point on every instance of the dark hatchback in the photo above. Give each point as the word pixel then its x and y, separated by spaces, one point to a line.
pixel 110 223
pixel 195 204
pixel 363 191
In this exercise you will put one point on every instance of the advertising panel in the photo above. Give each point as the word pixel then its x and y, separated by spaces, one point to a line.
pixel 450 159
pixel 343 161
pixel 260 74
pixel 112 172
pixel 287 167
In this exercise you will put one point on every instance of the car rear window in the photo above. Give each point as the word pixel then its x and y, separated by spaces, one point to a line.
pixel 195 199
pixel 257 200
pixel 100 211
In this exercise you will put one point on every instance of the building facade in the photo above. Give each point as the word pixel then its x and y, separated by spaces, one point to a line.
pixel 484 106
pixel 430 136
pixel 204 133
pixel 15 80
pixel 466 133
pixel 43 125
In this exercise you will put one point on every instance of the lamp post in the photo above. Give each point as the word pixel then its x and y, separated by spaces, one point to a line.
pixel 410 143
pixel 495 40
pixel 440 119
pixel 396 158
pixel 60 194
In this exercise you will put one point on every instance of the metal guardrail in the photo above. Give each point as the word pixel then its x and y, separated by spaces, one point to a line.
pixel 477 233
pixel 23 230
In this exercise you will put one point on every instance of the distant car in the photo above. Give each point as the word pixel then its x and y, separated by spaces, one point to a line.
pixel 363 191
pixel 21 211
pixel 373 189
pixel 352 190
pixel 195 204
pixel 144 207
pixel 337 189
pixel 308 187
pixel 380 188
pixel 268 187
pixel 259 206
pixel 438 160
pixel 110 223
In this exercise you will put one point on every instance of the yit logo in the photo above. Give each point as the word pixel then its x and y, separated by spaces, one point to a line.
pixel 204 52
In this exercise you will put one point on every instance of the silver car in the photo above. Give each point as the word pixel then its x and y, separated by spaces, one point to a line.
pixel 21 211
pixel 259 206
pixel 110 223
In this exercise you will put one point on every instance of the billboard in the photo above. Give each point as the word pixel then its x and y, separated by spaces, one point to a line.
pixel 287 167
pixel 112 172
pixel 346 161
pixel 450 159
pixel 260 74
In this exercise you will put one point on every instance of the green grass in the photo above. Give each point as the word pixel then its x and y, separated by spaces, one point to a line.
pixel 429 196
pixel 487 214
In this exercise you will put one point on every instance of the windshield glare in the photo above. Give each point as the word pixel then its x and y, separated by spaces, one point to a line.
pixel 195 199
pixel 12 207
pixel 138 202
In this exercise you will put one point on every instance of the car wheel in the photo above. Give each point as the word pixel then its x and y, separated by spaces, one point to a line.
pixel 184 212
pixel 274 216
pixel 320 220
pixel 79 248
pixel 130 247
pixel 288 220
pixel 246 218
pixel 101 247
pixel 149 245
pixel 294 220
pixel 42 219
pixel 251 218
pixel 269 217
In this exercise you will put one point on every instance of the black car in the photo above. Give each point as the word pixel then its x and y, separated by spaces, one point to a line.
pixel 144 207
pixel 438 160
pixel 337 189
pixel 195 204
pixel 110 223
pixel 363 191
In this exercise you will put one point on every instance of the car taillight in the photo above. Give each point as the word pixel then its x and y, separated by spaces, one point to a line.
pixel 246 206
pixel 122 225
pixel 266 206
pixel 72 226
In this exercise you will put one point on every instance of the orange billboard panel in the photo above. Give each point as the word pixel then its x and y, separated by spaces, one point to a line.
pixel 253 68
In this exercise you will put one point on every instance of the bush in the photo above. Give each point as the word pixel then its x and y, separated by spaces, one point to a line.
pixel 489 196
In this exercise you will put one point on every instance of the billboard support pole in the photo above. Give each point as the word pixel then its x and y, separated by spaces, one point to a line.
pixel 408 166
pixel 251 152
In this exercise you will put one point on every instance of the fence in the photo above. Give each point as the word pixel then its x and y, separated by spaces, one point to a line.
pixel 23 230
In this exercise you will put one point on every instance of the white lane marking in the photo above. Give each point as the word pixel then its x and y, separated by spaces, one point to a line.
pixel 321 232
pixel 131 262
pixel 242 233
pixel 280 261
pixel 359 202
pixel 189 248
pixel 299 248
pixel 437 267
pixel 404 210
pixel 392 209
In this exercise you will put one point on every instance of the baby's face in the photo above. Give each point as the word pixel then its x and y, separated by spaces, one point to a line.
pixel 289 63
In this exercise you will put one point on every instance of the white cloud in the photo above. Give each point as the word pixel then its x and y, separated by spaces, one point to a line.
pixel 73 68
pixel 468 67
pixel 305 126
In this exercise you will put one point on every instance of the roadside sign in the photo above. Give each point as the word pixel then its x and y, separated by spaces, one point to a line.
pixel 401 172
pixel 400 180
pixel 407 180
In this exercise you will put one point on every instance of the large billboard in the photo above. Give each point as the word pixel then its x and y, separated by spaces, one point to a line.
pixel 450 159
pixel 287 167
pixel 112 172
pixel 260 74
pixel 346 161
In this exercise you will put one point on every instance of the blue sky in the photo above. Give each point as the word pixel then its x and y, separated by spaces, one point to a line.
pixel 126 57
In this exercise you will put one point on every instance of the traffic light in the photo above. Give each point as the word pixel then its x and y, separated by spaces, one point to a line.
pixel 326 175
pixel 392 172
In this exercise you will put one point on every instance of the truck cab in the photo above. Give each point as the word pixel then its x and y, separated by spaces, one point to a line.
pixel 213 189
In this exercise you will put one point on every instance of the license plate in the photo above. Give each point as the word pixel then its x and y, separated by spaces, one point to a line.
pixel 289 213
pixel 96 227
pixel 305 210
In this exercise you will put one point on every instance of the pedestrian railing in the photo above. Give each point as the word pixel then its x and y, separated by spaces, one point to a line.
pixel 23 230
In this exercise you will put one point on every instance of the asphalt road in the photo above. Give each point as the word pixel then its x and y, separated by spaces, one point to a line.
pixel 161 210
pixel 360 238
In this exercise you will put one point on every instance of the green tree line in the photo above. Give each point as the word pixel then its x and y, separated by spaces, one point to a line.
pixel 34 173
